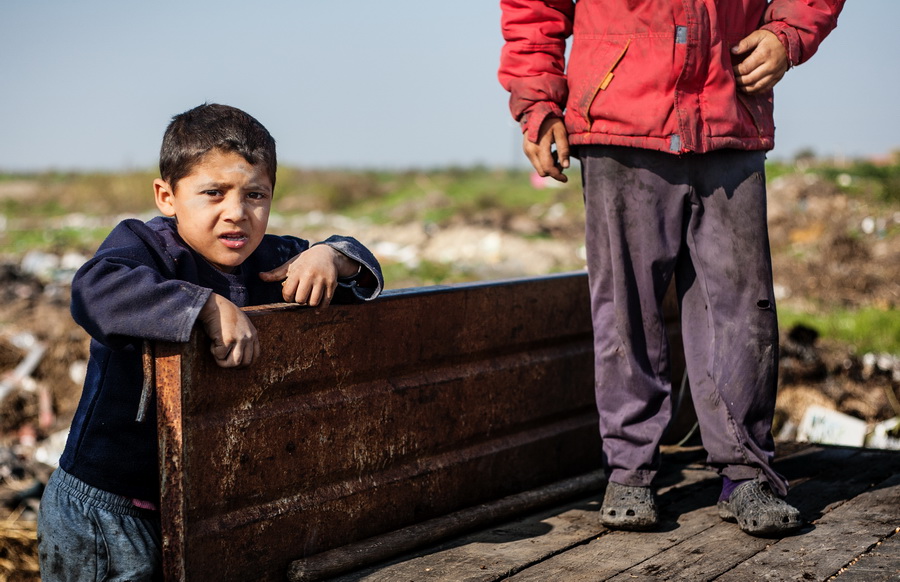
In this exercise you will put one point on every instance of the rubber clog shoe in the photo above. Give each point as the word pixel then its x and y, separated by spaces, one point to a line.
pixel 629 507
pixel 758 511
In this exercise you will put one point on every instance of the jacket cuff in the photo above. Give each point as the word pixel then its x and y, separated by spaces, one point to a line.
pixel 368 282
pixel 789 39
pixel 532 119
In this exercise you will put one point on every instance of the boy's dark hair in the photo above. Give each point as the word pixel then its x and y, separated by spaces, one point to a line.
pixel 211 126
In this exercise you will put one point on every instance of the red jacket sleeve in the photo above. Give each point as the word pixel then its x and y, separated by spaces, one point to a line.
pixel 802 26
pixel 532 62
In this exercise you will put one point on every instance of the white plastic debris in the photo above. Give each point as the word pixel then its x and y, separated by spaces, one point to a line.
pixel 40 264
pixel 78 371
pixel 830 427
pixel 51 448
pixel 21 375
pixel 885 435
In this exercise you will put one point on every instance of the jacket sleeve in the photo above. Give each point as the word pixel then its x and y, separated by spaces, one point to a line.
pixel 802 26
pixel 532 61
pixel 365 285
pixel 124 293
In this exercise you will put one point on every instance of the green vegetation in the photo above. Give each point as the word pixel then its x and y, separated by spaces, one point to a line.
pixel 54 194
pixel 424 274
pixel 879 182
pixel 868 329
pixel 57 211
pixel 31 203
pixel 436 196
pixel 57 240
pixel 882 182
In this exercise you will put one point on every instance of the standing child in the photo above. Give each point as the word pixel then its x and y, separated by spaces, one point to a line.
pixel 199 263
pixel 669 103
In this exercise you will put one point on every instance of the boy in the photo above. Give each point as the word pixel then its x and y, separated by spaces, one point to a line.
pixel 669 103
pixel 199 263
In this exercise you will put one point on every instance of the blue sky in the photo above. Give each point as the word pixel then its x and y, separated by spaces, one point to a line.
pixel 90 85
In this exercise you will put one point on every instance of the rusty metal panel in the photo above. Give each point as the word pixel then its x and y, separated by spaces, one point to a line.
pixel 166 374
pixel 362 419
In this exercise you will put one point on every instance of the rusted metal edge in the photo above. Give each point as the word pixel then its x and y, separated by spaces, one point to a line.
pixel 149 381
pixel 394 294
pixel 168 376
pixel 390 545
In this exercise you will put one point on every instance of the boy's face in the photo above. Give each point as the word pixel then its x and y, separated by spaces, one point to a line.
pixel 221 207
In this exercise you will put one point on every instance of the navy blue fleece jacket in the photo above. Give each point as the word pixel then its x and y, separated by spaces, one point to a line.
pixel 146 283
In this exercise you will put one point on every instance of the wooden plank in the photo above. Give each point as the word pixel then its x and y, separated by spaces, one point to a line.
pixel 519 550
pixel 879 564
pixel 327 564
pixel 619 551
pixel 839 537
pixel 494 553
pixel 688 516
pixel 502 551
pixel 693 544
pixel 720 549
pixel 848 492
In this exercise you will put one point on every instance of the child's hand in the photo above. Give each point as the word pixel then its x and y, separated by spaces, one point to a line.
pixel 234 340
pixel 763 62
pixel 311 277
pixel 541 155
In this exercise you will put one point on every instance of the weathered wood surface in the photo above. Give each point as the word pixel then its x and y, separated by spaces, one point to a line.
pixel 850 497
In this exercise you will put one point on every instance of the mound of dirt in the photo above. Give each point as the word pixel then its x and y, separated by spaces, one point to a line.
pixel 829 249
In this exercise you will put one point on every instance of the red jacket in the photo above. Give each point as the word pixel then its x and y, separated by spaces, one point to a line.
pixel 654 74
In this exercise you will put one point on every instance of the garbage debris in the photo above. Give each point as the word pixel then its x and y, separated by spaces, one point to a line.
pixel 830 427
pixel 885 435
pixel 21 485
pixel 35 351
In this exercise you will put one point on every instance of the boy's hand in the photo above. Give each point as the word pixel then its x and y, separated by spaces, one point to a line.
pixel 310 278
pixel 234 340
pixel 763 62
pixel 541 154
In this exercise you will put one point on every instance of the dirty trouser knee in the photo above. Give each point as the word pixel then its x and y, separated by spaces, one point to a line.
pixel 700 218
pixel 89 535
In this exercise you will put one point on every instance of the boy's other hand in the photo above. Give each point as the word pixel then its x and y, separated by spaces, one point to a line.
pixel 541 154
pixel 234 340
pixel 310 278
pixel 763 61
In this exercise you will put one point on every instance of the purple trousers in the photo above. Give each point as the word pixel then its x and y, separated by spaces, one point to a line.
pixel 702 219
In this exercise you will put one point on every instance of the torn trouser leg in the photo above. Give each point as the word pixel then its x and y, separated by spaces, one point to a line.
pixel 650 214
pixel 729 324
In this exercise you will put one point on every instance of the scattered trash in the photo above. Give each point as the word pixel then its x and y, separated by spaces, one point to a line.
pixel 18 550
pixel 885 435
pixel 830 427
pixel 52 268
pixel 40 264
pixel 51 448
pixel 78 372
pixel 22 482
pixel 35 351
pixel 881 363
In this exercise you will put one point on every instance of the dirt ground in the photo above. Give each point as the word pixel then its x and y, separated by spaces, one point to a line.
pixel 828 250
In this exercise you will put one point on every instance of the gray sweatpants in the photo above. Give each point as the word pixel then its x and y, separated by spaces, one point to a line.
pixel 702 219
pixel 89 535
